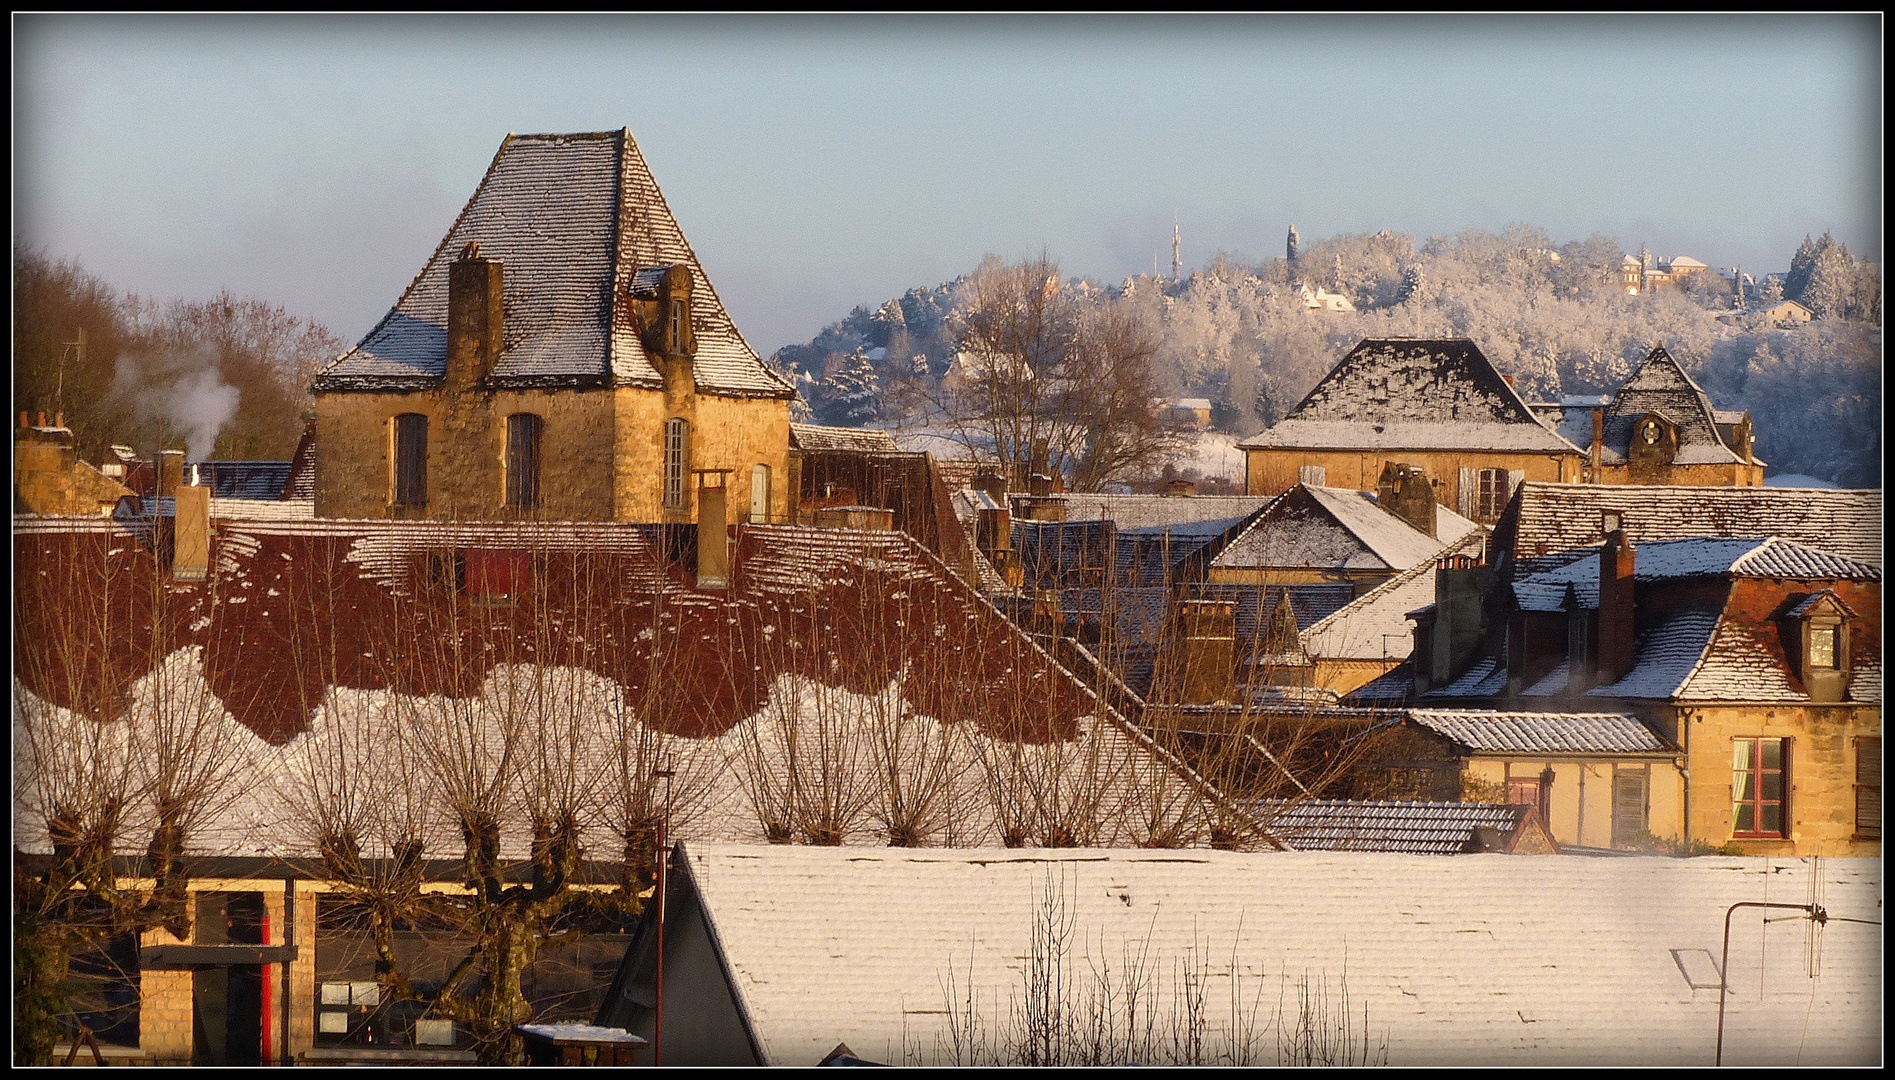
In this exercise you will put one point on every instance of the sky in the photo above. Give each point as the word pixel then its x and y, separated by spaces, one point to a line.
pixel 819 163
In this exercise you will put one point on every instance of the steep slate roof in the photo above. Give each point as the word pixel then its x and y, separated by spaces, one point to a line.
pixel 1326 528
pixel 1413 394
pixel 1661 386
pixel 572 218
pixel 1701 556
pixel 1546 519
pixel 1484 730
pixel 818 437
pixel 1573 964
pixel 1375 625
pixel 1179 515
pixel 1414 828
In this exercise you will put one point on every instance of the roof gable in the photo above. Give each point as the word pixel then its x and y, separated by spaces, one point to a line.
pixel 1412 393
pixel 1661 386
pixel 572 219
pixel 1337 528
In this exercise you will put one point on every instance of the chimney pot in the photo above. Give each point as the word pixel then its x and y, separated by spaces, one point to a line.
pixel 42 419
pixel 23 418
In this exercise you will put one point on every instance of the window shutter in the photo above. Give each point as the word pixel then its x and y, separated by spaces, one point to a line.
pixel 1314 475
pixel 1468 494
pixel 1628 805
pixel 1869 788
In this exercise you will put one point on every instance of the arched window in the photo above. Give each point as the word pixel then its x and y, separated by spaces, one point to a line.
pixel 760 494
pixel 523 461
pixel 677 432
pixel 411 460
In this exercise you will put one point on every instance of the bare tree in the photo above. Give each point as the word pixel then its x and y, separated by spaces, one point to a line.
pixel 1051 380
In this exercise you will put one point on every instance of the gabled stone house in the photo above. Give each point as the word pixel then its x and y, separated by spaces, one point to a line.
pixel 561 356
pixel 1661 428
pixel 1433 405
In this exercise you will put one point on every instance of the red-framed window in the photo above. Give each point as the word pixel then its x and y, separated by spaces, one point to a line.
pixel 1760 778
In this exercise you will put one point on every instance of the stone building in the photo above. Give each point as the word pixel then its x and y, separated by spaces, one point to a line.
pixel 1436 405
pixel 561 356
pixel 1660 428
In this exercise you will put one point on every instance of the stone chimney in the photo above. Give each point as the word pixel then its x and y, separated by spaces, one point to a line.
pixel 1039 508
pixel 476 329
pixel 1595 452
pixel 191 534
pixel 1616 622
pixel 992 484
pixel 1404 490
pixel 170 472
pixel 1181 487
pixel 1204 646
pixel 1461 584
pixel 713 534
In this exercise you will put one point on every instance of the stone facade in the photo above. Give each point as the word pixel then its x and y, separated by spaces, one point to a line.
pixel 1273 471
pixel 1823 740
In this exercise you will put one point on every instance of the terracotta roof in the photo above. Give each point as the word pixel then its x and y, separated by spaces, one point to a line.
pixel 1699 556
pixel 1414 828
pixel 1546 519
pixel 571 218
pixel 1413 394
pixel 1542 733
pixel 1484 960
pixel 1661 386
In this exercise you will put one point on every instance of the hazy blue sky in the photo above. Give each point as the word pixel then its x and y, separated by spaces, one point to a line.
pixel 820 163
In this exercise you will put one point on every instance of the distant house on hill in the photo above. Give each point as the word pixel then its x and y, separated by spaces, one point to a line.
pixel 1433 405
pixel 561 356
pixel 1195 412
pixel 1640 273
pixel 1321 300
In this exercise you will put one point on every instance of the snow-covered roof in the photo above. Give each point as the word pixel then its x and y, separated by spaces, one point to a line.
pixel 1549 518
pixel 819 437
pixel 1194 515
pixel 1661 386
pixel 1484 730
pixel 572 218
pixel 1414 828
pixel 1337 528
pixel 1375 625
pixel 1413 394
pixel 1699 556
pixel 1477 960
pixel 1192 403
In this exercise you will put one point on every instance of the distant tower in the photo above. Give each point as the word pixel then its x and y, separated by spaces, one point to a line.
pixel 1737 287
pixel 1644 269
pixel 1177 250
pixel 1294 242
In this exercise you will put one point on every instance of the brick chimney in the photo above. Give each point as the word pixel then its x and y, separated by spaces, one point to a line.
pixel 191 534
pixel 476 329
pixel 1404 490
pixel 1616 625
pixel 170 472
pixel 713 534
pixel 1204 646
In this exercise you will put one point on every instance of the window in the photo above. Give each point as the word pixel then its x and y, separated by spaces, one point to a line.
pixel 1822 647
pixel 1760 771
pixel 1534 791
pixel 680 325
pixel 103 980
pixel 1492 498
pixel 1869 788
pixel 677 431
pixel 411 460
pixel 760 494
pixel 523 461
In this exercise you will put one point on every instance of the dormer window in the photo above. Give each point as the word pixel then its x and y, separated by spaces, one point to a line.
pixel 679 327
pixel 1816 635
pixel 661 308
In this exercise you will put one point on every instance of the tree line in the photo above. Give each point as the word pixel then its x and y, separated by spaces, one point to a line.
pixel 226 378
pixel 1554 316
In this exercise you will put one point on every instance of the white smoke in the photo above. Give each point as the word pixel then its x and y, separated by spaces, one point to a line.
pixel 181 388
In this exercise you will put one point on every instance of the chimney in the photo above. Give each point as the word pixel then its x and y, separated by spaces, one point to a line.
pixel 993 484
pixel 1039 484
pixel 1616 622
pixel 170 472
pixel 713 534
pixel 1180 487
pixel 1205 648
pixel 1461 584
pixel 1404 491
pixel 1039 508
pixel 191 534
pixel 475 327
pixel 1594 453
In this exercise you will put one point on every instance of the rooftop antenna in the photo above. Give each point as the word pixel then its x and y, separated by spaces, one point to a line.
pixel 76 350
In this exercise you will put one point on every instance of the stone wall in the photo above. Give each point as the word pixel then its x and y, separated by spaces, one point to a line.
pixel 1272 472
pixel 1822 803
